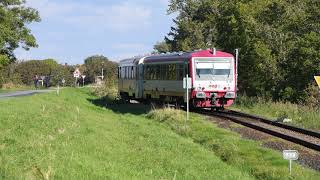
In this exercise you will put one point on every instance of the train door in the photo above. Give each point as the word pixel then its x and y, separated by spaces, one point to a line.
pixel 140 81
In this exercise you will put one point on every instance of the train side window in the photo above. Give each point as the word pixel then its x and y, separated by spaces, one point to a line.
pixel 180 73
pixel 132 72
pixel 146 73
pixel 163 72
pixel 137 73
pixel 152 72
pixel 128 72
pixel 172 73
pixel 157 72
pixel 122 72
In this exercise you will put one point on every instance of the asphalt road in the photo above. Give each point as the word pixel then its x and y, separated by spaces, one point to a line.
pixel 22 93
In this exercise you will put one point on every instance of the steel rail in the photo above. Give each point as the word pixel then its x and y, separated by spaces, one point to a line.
pixel 277 124
pixel 224 115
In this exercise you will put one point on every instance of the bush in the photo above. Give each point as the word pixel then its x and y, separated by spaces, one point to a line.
pixel 173 117
pixel 109 92
pixel 11 85
pixel 313 97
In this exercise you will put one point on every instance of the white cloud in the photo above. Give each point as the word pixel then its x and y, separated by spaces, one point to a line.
pixel 123 16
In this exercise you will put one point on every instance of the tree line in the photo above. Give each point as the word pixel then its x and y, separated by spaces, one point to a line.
pixel 14 33
pixel 279 41
pixel 24 72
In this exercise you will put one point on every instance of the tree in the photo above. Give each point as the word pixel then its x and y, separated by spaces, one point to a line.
pixel 279 40
pixel 95 64
pixel 162 47
pixel 14 18
pixel 23 72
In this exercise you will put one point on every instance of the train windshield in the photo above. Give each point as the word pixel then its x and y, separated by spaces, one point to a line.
pixel 214 70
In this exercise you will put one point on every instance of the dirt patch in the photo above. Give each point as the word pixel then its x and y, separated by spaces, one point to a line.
pixel 307 157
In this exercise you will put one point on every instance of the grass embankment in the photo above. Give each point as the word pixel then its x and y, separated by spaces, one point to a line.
pixel 246 155
pixel 301 116
pixel 72 137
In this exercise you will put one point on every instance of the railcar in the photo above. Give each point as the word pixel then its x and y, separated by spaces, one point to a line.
pixel 160 78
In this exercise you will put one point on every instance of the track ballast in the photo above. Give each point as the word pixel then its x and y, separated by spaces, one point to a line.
pixel 304 137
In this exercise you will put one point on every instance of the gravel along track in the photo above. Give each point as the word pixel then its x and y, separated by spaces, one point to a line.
pixel 302 137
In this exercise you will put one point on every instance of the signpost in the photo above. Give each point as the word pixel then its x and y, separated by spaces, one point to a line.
pixel 317 78
pixel 291 155
pixel 63 81
pixel 83 77
pixel 187 85
pixel 76 74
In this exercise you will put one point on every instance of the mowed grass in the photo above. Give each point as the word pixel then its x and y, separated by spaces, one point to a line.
pixel 4 90
pixel 71 137
pixel 301 116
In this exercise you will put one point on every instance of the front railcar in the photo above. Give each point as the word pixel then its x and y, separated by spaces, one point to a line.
pixel 213 76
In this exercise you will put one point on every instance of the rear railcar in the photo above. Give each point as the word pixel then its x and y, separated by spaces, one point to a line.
pixel 128 78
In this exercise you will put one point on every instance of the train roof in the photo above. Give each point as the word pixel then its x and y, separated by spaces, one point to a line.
pixel 131 61
pixel 177 56
pixel 185 56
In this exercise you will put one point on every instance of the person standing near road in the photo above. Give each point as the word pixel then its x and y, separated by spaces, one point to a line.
pixel 47 81
pixel 36 81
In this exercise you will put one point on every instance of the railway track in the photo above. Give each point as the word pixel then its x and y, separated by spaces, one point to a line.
pixel 304 137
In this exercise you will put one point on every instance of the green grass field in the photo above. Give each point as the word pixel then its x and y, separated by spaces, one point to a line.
pixel 73 136
pixel 4 91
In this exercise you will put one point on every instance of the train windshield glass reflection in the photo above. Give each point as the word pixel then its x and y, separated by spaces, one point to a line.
pixel 212 70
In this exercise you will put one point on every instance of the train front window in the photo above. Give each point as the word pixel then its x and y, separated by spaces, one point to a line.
pixel 204 72
pixel 212 70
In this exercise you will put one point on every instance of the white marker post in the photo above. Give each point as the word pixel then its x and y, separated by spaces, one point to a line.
pixel 83 77
pixel 187 86
pixel 58 90
pixel 291 155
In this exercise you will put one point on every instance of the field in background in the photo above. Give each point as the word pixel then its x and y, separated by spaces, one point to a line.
pixel 78 136
pixel 301 116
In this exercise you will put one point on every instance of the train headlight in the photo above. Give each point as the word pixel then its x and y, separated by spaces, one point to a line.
pixel 201 95
pixel 230 95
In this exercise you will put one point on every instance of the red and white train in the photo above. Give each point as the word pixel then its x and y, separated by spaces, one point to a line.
pixel 160 77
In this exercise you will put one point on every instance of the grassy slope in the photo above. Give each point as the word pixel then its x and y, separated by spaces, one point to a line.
pixel 301 116
pixel 67 137
pixel 246 155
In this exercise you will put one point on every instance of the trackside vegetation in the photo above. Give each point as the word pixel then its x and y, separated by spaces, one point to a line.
pixel 247 155
pixel 72 136
pixel 76 135
pixel 302 116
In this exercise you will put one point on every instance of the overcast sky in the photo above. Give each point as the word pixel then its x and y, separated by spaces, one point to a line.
pixel 72 30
